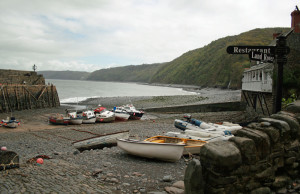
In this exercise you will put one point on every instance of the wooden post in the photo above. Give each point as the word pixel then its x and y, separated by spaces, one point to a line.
pixel 4 99
pixel 29 98
pixel 52 95
pixel 57 98
pixel 8 100
pixel 17 98
pixel 49 104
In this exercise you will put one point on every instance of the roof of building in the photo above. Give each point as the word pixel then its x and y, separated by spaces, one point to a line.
pixel 260 66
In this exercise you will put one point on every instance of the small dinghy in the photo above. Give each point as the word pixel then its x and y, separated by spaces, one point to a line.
pixel 208 138
pixel 170 152
pixel 192 146
pixel 59 120
pixel 10 122
pixel 101 141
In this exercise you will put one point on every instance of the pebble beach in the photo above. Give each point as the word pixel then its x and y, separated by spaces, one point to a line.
pixel 107 170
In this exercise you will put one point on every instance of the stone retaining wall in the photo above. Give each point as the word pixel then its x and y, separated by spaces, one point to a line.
pixel 213 107
pixel 260 158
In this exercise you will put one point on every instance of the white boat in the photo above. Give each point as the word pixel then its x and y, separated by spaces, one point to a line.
pixel 192 146
pixel 201 126
pixel 10 122
pixel 88 117
pixel 103 115
pixel 133 112
pixel 170 152
pixel 75 119
pixel 208 138
pixel 98 142
pixel 121 114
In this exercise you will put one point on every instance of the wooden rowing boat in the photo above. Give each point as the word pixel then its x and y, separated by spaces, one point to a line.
pixel 170 152
pixel 192 146
pixel 100 141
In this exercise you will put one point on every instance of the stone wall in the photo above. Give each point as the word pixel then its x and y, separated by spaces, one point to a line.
pixel 261 158
pixel 20 77
pixel 213 107
pixel 21 97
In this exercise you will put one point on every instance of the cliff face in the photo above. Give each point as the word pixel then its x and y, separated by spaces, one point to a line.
pixel 20 77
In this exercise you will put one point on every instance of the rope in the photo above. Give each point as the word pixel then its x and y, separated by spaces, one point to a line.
pixel 10 164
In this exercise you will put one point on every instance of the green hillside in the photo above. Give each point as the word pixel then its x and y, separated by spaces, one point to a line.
pixel 211 66
pixel 131 73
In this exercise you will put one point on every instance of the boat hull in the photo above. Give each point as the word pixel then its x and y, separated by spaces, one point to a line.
pixel 100 119
pixel 161 151
pixel 89 121
pixel 121 116
pixel 206 128
pixel 135 116
pixel 192 146
pixel 56 121
pixel 99 142
pixel 75 121
pixel 10 124
pixel 208 139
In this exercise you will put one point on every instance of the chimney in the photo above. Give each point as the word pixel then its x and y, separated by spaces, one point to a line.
pixel 275 35
pixel 296 20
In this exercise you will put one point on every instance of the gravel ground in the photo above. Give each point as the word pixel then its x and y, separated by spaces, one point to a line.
pixel 107 170
pixel 200 96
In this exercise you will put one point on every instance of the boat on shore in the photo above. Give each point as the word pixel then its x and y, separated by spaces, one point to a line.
pixel 208 137
pixel 133 112
pixel 101 141
pixel 75 119
pixel 10 122
pixel 197 125
pixel 103 115
pixel 89 117
pixel 192 146
pixel 120 114
pixel 59 119
pixel 170 152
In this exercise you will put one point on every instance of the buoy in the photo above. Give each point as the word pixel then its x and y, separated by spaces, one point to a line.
pixel 40 161
pixel 3 148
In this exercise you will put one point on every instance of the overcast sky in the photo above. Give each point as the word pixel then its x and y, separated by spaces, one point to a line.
pixel 87 35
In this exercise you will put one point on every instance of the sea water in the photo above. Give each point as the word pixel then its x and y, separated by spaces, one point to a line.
pixel 76 90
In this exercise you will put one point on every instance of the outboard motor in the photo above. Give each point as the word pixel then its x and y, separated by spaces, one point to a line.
pixel 187 117
pixel 180 124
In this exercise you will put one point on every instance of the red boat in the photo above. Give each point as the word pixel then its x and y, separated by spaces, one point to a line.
pixel 59 120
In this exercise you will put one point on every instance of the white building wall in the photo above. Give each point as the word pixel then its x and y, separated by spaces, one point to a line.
pixel 258 80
